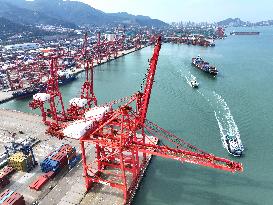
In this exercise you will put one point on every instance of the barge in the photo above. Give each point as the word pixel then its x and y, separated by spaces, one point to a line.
pixel 244 33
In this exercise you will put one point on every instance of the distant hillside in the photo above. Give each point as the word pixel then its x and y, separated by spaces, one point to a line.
pixel 232 22
pixel 9 29
pixel 28 17
pixel 67 13
pixel 124 17
pixel 238 22
pixel 9 26
pixel 264 23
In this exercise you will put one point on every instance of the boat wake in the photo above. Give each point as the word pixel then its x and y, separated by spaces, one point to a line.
pixel 225 120
pixel 223 116
pixel 189 77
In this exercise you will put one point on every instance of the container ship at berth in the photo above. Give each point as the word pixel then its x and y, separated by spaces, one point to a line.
pixel 64 79
pixel 27 92
pixel 204 66
pixel 244 33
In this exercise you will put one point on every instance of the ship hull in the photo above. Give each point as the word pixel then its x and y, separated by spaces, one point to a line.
pixel 23 96
pixel 67 80
pixel 29 92
pixel 244 33
pixel 201 67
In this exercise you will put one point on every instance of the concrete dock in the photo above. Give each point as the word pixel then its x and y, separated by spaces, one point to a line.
pixel 68 187
pixel 5 96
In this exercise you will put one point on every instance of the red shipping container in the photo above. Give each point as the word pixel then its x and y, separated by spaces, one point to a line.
pixel 15 199
pixel 3 194
pixel 41 181
pixel 8 170
pixel 50 174
pixel 61 158
pixel 66 148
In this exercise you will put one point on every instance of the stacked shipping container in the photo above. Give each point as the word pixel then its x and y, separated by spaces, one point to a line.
pixel 58 159
pixel 4 176
pixel 21 162
pixel 9 197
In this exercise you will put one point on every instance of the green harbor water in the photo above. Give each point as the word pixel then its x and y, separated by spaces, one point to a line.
pixel 240 97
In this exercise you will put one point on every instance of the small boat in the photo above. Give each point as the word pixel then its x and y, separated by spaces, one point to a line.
pixel 194 83
pixel 199 63
pixel 233 145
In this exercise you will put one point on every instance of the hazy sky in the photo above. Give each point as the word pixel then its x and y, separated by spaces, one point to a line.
pixel 194 10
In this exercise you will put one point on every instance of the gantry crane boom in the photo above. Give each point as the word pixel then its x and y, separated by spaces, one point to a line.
pixel 88 86
pixel 55 96
pixel 182 150
pixel 87 90
pixel 145 97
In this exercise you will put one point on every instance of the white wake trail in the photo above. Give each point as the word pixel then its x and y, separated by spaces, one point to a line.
pixel 189 77
pixel 225 120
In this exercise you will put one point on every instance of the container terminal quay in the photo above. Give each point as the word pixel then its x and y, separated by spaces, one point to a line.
pixel 86 152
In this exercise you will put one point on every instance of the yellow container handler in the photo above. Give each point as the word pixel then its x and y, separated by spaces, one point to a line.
pixel 20 162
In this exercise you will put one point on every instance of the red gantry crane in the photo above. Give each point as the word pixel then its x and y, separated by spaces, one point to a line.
pixel 53 96
pixel 78 105
pixel 124 140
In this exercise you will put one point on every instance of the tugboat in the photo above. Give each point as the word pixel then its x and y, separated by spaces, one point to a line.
pixel 233 145
pixel 194 83
pixel 204 66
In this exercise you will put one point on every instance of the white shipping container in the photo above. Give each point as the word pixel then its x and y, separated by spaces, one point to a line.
pixel 78 128
pixel 41 97
pixel 96 113
pixel 78 102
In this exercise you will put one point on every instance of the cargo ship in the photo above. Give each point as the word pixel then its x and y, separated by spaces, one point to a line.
pixel 204 66
pixel 67 78
pixel 41 87
pixel 28 92
pixel 244 33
